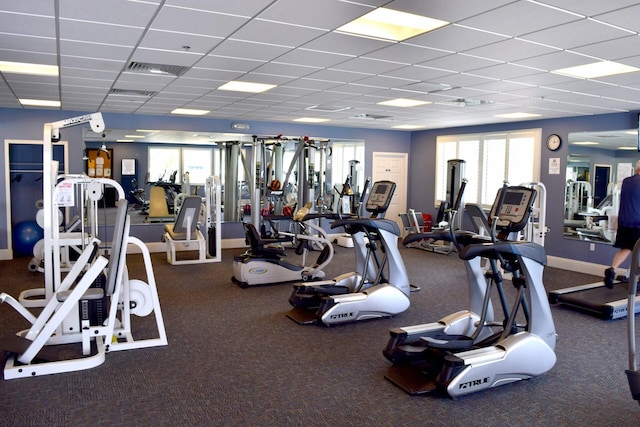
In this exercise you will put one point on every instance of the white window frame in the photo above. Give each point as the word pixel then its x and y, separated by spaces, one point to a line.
pixel 175 156
pixel 475 149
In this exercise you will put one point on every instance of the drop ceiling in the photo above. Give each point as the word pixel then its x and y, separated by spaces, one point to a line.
pixel 494 57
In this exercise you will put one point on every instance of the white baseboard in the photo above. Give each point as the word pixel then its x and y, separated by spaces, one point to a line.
pixel 155 247
pixel 577 266
pixel 6 254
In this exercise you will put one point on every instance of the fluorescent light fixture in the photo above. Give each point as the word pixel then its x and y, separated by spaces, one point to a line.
pixel 134 136
pixel 627 148
pixel 596 69
pixel 403 102
pixel 27 68
pixel 190 112
pixel 310 120
pixel 124 140
pixel 147 130
pixel 586 143
pixel 389 24
pixel 246 87
pixel 517 115
pixel 406 127
pixel 39 102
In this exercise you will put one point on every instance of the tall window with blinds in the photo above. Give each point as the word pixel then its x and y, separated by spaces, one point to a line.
pixel 491 158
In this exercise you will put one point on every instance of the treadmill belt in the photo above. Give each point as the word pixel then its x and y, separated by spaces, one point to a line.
pixel 599 301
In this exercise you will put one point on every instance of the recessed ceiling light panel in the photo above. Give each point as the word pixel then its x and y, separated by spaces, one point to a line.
pixel 190 112
pixel 596 69
pixel 403 102
pixel 389 24
pixel 238 86
pixel 39 102
pixel 28 68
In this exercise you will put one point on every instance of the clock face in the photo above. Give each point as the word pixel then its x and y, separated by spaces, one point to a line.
pixel 553 142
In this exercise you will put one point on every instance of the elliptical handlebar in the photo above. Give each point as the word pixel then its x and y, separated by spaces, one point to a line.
pixel 453 212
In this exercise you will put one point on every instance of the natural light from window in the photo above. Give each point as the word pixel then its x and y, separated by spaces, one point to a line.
pixel 490 159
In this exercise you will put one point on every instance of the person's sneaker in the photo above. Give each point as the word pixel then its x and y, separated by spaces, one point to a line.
pixel 609 277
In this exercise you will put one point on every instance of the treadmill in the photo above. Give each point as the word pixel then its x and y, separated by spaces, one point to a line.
pixel 596 299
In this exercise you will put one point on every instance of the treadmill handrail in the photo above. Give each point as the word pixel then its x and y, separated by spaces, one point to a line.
pixel 633 374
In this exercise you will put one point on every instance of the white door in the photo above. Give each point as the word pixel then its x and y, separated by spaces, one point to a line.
pixel 393 167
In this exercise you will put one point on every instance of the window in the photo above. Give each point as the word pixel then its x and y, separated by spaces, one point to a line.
pixel 198 162
pixel 490 159
pixel 341 154
pixel 164 161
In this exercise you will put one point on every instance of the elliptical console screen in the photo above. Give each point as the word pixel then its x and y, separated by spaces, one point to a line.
pixel 380 196
pixel 515 210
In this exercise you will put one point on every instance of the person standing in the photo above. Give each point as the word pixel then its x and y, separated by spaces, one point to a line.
pixel 628 224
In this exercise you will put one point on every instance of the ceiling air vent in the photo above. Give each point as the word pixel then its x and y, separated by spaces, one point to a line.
pixel 466 102
pixel 161 69
pixel 372 117
pixel 328 108
pixel 132 92
pixel 427 87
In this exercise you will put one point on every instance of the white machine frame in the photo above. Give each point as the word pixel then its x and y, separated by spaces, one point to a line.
pixel 199 242
pixel 59 322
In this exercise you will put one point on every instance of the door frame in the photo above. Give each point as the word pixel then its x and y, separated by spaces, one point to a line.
pixel 7 254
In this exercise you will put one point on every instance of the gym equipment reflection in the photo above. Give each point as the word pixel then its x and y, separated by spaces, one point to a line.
pixel 596 165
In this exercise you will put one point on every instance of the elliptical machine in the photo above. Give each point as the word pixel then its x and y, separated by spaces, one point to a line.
pixel 264 263
pixel 366 293
pixel 462 353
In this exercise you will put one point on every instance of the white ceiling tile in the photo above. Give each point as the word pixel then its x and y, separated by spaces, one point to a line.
pixel 290 43
pixel 337 76
pixel 28 43
pixel 456 38
pixel 327 14
pixel 374 66
pixel 406 53
pixel 576 34
pixel 230 64
pixel 450 10
pixel 31 25
pixel 169 40
pixel 504 71
pixel 612 49
pixel 289 70
pixel 418 73
pixel 31 57
pixel 589 7
pixel 233 7
pixel 276 33
pixel 99 33
pixel 346 44
pixel 555 61
pixel 511 50
pixel 312 58
pixel 121 12
pixel 197 22
pixel 93 50
pixel 518 18
pixel 460 63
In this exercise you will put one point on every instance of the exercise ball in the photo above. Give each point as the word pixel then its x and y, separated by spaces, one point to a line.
pixel 25 236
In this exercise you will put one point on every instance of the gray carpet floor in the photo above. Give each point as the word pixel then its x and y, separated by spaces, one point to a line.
pixel 235 359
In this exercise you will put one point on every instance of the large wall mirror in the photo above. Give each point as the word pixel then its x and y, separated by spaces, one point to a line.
pixel 180 161
pixel 596 165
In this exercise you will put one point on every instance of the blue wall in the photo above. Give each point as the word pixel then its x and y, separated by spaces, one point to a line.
pixel 16 124
pixel 421 146
pixel 422 181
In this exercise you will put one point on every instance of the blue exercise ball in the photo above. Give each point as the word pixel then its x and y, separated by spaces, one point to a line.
pixel 25 236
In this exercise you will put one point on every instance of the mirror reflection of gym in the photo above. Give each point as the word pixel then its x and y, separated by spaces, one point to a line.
pixel 596 165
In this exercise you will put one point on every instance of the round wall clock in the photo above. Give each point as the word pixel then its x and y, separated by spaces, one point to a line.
pixel 554 142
